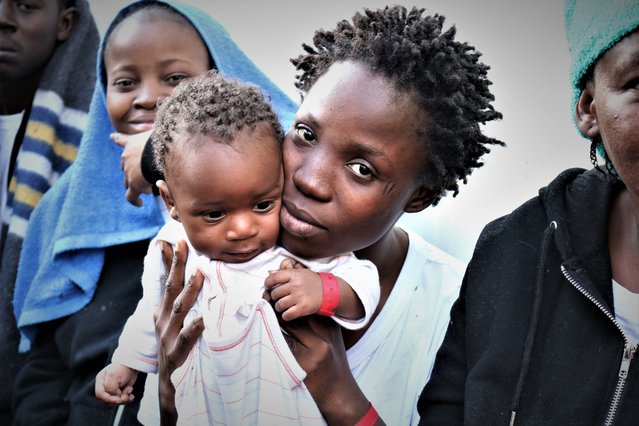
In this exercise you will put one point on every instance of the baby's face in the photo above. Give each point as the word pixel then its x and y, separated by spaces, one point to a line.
pixel 146 56
pixel 228 196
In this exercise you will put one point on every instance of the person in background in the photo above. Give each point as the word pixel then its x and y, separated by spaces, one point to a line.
pixel 81 262
pixel 389 123
pixel 547 323
pixel 47 72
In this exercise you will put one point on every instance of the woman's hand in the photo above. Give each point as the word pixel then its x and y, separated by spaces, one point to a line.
pixel 317 344
pixel 130 161
pixel 175 340
pixel 318 347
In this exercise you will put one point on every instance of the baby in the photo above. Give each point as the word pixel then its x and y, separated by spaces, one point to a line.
pixel 218 143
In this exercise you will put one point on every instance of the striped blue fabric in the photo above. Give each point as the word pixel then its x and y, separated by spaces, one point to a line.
pixel 48 148
pixel 53 133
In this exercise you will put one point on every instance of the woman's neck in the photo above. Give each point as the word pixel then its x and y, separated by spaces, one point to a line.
pixel 623 240
pixel 388 254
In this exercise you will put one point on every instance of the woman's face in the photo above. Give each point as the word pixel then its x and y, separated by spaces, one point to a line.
pixel 146 56
pixel 352 163
pixel 616 104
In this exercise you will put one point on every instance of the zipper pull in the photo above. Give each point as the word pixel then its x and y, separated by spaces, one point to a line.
pixel 628 355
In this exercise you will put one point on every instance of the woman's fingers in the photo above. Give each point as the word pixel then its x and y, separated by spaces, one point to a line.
pixel 177 339
pixel 187 338
pixel 133 196
pixel 312 329
pixel 130 163
pixel 183 302
pixel 175 279
pixel 119 139
pixel 167 255
pixel 187 296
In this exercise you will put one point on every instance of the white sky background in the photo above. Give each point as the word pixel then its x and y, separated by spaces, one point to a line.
pixel 522 41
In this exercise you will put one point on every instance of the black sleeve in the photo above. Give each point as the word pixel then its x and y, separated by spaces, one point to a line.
pixel 40 388
pixel 442 400
pixel 56 384
pixel 149 171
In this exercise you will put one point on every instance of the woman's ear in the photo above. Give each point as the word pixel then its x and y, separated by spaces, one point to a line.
pixel 586 112
pixel 421 198
pixel 165 192
pixel 65 23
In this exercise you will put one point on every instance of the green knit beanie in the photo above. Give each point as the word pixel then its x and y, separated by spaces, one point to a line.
pixel 593 27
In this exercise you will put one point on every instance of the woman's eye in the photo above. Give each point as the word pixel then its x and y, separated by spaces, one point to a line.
pixel 305 133
pixel 176 78
pixel 123 83
pixel 361 170
pixel 214 215
pixel 27 7
pixel 633 84
pixel 264 206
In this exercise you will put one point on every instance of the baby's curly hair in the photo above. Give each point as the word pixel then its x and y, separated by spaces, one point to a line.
pixel 421 59
pixel 213 105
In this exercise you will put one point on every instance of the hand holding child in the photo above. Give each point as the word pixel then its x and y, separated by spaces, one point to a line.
pixel 114 384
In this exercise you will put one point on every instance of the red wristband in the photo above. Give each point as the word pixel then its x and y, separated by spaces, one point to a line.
pixel 330 294
pixel 370 418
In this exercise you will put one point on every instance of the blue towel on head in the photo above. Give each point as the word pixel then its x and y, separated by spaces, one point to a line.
pixel 85 211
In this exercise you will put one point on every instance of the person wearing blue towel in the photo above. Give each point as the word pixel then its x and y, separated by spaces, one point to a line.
pixel 81 262
pixel 547 324
pixel 47 73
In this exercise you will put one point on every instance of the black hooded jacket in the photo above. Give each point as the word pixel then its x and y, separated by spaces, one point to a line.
pixel 532 337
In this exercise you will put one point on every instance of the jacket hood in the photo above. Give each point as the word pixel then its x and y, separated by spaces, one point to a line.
pixel 576 200
pixel 577 205
pixel 579 202
pixel 579 229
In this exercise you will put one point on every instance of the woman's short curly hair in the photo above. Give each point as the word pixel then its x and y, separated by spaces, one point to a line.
pixel 212 105
pixel 444 75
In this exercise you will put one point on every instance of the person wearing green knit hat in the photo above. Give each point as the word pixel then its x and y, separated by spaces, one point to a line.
pixel 546 327
pixel 592 28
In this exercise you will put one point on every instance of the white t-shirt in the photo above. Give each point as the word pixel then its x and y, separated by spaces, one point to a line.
pixel 241 369
pixel 393 361
pixel 626 310
pixel 9 126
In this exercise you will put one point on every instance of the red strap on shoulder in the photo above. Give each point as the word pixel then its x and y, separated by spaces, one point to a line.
pixel 330 294
pixel 370 418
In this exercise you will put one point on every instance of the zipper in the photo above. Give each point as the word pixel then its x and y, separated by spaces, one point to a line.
pixel 628 352
pixel 628 355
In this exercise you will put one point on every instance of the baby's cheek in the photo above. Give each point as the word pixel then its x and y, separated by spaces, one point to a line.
pixel 271 229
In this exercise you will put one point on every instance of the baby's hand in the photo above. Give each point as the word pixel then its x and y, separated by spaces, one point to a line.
pixel 114 384
pixel 296 292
